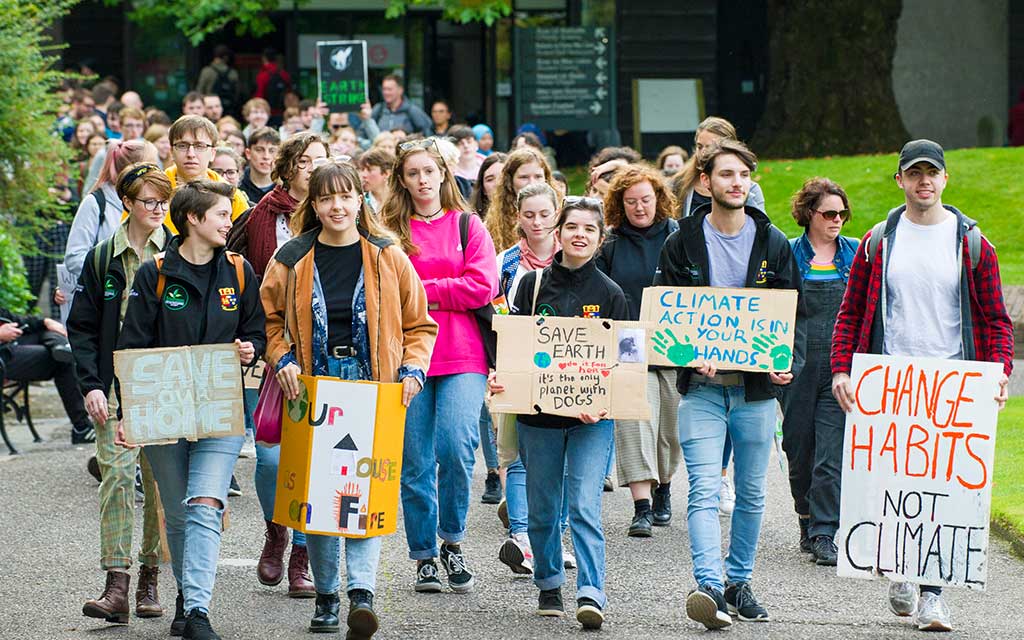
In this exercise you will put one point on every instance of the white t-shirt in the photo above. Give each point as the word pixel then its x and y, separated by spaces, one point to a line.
pixel 922 288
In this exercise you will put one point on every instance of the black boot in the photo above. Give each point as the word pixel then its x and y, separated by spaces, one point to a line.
pixel 197 627
pixel 325 618
pixel 806 544
pixel 362 621
pixel 178 623
pixel 662 506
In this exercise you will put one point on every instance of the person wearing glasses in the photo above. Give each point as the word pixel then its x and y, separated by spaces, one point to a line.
pixel 193 476
pixel 93 328
pixel 357 310
pixel 639 213
pixel 813 425
pixel 227 164
pixel 559 451
pixel 424 210
pixel 193 139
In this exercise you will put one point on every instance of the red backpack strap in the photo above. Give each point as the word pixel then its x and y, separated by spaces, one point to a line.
pixel 161 279
pixel 239 262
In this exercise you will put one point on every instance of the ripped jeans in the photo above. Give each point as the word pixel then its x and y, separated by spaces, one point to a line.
pixel 185 471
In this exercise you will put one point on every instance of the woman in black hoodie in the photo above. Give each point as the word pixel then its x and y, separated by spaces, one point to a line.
pixel 638 211
pixel 549 445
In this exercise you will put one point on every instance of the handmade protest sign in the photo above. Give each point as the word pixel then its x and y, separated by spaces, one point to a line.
pixel 180 392
pixel 568 366
pixel 252 375
pixel 737 329
pixel 341 74
pixel 917 470
pixel 341 458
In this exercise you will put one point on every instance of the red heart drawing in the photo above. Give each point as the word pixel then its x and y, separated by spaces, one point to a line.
pixel 561 365
pixel 606 372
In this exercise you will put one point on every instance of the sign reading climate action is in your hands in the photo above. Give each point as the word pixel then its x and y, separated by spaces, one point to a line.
pixel 917 470
pixel 736 329
pixel 180 392
pixel 341 73
pixel 568 366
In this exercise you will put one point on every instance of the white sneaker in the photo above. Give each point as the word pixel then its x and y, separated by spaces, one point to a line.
pixel 248 447
pixel 903 598
pixel 727 497
pixel 517 554
pixel 568 559
pixel 932 613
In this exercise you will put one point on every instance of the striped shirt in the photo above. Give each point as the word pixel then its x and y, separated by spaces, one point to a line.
pixel 822 271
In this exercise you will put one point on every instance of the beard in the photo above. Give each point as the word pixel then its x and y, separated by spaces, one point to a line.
pixel 720 200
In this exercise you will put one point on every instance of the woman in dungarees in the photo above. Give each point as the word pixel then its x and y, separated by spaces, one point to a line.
pixel 814 424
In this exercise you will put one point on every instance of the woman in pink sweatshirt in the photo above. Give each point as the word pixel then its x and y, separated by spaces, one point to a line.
pixel 441 432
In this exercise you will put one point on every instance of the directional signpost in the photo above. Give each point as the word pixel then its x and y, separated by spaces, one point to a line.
pixel 565 77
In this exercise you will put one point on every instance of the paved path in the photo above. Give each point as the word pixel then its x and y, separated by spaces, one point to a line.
pixel 49 548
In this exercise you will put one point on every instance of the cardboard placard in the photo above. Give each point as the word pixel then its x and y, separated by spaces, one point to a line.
pixel 180 392
pixel 571 366
pixel 252 375
pixel 737 329
pixel 341 458
pixel 917 470
pixel 341 73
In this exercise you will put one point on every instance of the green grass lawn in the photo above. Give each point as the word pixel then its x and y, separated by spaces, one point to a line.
pixel 1008 480
pixel 983 183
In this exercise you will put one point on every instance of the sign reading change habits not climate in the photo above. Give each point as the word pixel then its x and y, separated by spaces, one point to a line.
pixel 180 392
pixel 917 470
pixel 569 366
pixel 737 329
pixel 341 74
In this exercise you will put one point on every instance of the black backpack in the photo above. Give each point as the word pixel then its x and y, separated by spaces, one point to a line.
pixel 277 86
pixel 226 88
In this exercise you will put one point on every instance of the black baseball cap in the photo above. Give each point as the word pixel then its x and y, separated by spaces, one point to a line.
pixel 922 151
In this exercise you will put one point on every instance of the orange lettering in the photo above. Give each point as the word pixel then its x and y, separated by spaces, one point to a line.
pixel 856 394
pixel 938 392
pixel 894 389
pixel 981 463
pixel 953 437
pixel 890 445
pixel 916 445
pixel 961 398
pixel 863 447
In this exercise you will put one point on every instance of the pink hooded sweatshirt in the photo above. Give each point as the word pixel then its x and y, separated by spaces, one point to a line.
pixel 456 280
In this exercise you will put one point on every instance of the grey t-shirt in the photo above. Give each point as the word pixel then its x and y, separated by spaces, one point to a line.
pixel 728 256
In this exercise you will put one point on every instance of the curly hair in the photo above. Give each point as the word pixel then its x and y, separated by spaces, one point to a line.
pixel 629 176
pixel 286 165
pixel 807 199
pixel 503 210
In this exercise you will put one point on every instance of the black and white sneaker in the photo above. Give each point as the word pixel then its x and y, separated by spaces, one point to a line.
pixel 707 606
pixel 549 603
pixel 85 434
pixel 589 614
pixel 140 493
pixel 233 489
pixel 825 551
pixel 454 562
pixel 426 577
pixel 741 603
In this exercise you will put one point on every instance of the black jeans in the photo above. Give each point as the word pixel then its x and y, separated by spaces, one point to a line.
pixel 30 361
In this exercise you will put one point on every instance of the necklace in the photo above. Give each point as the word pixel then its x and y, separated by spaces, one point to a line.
pixel 427 219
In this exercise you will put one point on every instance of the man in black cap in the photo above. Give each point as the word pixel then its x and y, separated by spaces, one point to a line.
pixel 927 256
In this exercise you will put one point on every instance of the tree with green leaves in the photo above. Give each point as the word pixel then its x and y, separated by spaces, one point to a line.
pixel 32 158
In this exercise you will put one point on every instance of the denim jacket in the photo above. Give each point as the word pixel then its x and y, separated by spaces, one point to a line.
pixel 846 251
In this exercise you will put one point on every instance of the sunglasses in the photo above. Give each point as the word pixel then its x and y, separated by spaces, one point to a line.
pixel 339 159
pixel 843 215
pixel 417 144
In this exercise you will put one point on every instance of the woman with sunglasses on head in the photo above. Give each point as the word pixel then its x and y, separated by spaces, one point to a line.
pixel 813 423
pixel 93 328
pixel 558 450
pixel 424 209
pixel 356 310
pixel 522 167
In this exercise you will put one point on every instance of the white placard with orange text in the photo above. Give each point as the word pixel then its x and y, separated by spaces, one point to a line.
pixel 917 470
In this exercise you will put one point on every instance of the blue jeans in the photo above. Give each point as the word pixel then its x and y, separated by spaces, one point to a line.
pixel 706 413
pixel 548 454
pixel 441 435
pixel 518 506
pixel 265 479
pixel 726 452
pixel 487 441
pixel 184 471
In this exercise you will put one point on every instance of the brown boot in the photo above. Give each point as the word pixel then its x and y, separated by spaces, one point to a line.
pixel 299 584
pixel 112 606
pixel 147 602
pixel 270 569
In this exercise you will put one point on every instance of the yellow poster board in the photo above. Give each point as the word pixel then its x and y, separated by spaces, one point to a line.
pixel 341 458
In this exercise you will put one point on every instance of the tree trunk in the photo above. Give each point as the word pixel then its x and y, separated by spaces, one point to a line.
pixel 830 79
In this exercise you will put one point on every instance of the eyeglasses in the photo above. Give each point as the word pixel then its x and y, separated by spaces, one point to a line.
pixel 226 173
pixel 843 215
pixel 153 205
pixel 417 144
pixel 339 159
pixel 183 147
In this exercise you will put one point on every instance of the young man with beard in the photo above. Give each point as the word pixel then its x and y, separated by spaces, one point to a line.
pixel 260 153
pixel 942 299
pixel 727 244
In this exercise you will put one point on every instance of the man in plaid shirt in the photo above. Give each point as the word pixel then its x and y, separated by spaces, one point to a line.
pixel 917 292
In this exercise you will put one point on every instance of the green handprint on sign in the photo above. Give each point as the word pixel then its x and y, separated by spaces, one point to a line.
pixel 781 355
pixel 670 347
